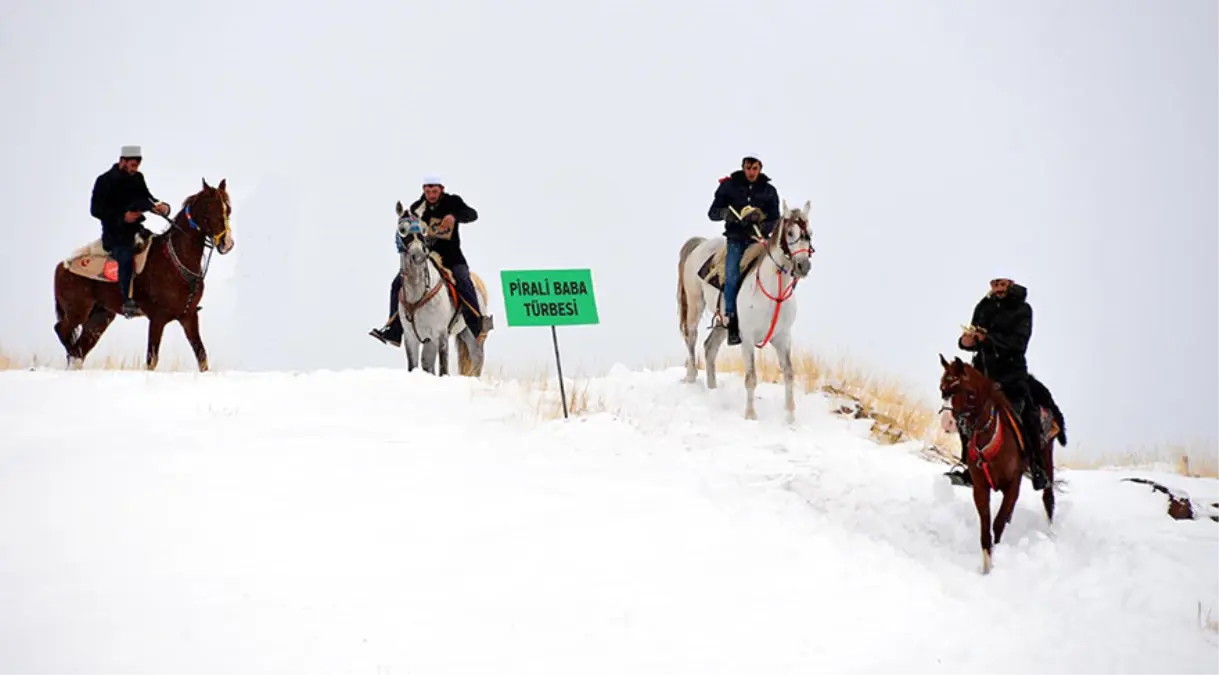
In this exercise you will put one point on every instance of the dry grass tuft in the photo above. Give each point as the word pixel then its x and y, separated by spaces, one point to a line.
pixel 96 361
pixel 898 415
pixel 1196 459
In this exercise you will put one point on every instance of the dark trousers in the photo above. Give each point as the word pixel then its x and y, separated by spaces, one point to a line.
pixel 466 294
pixel 124 255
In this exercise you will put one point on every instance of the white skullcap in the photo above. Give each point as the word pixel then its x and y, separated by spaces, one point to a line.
pixel 432 179
pixel 130 151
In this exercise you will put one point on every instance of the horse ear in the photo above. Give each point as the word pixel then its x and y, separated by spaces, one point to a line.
pixel 786 211
pixel 399 207
pixel 808 207
pixel 223 183
pixel 205 185
pixel 943 362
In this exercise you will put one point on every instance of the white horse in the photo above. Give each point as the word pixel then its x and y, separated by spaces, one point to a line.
pixel 766 304
pixel 427 306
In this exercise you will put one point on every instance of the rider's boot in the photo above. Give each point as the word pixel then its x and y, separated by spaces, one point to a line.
pixel 960 475
pixel 390 333
pixel 734 330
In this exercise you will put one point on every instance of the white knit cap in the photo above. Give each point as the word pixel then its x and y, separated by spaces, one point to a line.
pixel 130 151
pixel 432 179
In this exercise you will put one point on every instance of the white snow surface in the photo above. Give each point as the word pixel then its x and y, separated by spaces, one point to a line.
pixel 379 521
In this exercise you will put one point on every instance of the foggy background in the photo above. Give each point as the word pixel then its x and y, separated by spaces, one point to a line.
pixel 1071 146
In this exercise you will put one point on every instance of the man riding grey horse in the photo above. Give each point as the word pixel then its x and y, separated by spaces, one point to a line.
pixel 442 213
pixel 750 193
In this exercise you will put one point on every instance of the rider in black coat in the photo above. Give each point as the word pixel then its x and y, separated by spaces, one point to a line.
pixel 120 198
pixel 442 213
pixel 999 336
pixel 744 188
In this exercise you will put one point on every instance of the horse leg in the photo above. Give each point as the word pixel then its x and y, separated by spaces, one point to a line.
pixel 783 347
pixel 66 325
pixel 689 330
pixel 982 504
pixel 442 354
pixel 190 326
pixel 1047 495
pixel 428 356
pixel 711 347
pixel 1010 494
pixel 156 328
pixel 751 381
pixel 91 332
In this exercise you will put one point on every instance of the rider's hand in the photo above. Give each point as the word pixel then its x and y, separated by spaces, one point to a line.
pixel 448 222
pixel 967 338
pixel 754 216
pixel 162 208
pixel 131 216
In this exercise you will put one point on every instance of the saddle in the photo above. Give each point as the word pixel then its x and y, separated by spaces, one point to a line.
pixel 712 269
pixel 93 262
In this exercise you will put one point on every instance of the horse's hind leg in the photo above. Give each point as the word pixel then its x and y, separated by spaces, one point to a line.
pixel 1047 495
pixel 99 320
pixel 689 330
pixel 711 348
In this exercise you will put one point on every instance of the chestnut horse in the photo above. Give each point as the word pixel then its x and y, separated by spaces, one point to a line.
pixel 167 288
pixel 995 461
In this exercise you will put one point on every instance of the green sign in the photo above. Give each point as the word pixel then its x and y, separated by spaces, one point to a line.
pixel 549 297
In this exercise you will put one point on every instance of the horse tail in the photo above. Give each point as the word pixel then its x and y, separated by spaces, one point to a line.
pixel 1042 395
pixel 683 305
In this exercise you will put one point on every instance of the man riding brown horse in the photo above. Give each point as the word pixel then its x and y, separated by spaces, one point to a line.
pixel 120 198
pixel 999 336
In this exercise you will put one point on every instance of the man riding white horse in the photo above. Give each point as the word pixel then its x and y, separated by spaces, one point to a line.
pixel 748 192
pixel 442 213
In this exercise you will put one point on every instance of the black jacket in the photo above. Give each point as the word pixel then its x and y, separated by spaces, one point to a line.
pixel 736 191
pixel 1009 326
pixel 114 194
pixel 446 243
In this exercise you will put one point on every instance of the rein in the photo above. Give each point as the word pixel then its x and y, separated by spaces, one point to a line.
pixel 192 278
pixel 783 294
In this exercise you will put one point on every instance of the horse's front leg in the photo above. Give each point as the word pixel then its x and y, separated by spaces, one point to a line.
pixel 410 345
pixel 442 354
pixel 783 349
pixel 982 504
pixel 751 380
pixel 428 356
pixel 190 326
pixel 1010 495
pixel 156 328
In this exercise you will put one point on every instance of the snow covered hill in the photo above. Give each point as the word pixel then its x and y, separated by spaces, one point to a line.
pixel 377 521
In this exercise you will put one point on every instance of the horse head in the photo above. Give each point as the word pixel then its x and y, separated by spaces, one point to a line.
pixel 412 238
pixel 208 211
pixel 792 238
pixel 969 394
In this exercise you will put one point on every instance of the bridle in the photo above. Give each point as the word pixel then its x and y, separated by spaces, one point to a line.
pixel 192 278
pixel 412 231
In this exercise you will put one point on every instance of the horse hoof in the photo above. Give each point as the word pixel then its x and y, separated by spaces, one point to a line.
pixel 986 563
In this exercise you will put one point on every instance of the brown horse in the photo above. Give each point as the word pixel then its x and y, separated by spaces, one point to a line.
pixel 995 458
pixel 167 284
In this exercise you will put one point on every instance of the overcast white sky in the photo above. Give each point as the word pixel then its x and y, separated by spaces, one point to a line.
pixel 1073 144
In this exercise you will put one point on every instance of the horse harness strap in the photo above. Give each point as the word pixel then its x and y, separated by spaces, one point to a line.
pixel 983 456
pixel 191 277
